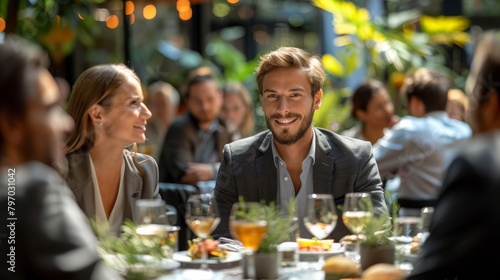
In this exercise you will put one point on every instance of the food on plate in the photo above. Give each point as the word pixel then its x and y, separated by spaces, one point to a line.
pixel 415 244
pixel 338 267
pixel 349 239
pixel 383 271
pixel 196 247
pixel 314 244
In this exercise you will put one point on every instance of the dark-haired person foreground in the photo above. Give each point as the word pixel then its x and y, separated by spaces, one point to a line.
pixel 465 226
pixel 45 235
pixel 293 158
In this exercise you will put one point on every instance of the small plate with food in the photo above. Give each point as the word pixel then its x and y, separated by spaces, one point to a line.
pixel 310 249
pixel 218 257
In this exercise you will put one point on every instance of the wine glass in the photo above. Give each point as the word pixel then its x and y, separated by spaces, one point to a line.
pixel 156 222
pixel 358 210
pixel 321 218
pixel 202 217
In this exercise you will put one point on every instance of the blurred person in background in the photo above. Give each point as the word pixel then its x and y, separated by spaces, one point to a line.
pixel 458 105
pixel 192 148
pixel 107 178
pixel 465 223
pixel 414 148
pixel 237 110
pixel 163 101
pixel 64 90
pixel 372 106
pixel 45 235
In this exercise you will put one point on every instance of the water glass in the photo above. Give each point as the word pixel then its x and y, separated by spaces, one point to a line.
pixel 425 222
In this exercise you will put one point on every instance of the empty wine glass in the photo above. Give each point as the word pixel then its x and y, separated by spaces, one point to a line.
pixel 357 211
pixel 321 218
pixel 202 217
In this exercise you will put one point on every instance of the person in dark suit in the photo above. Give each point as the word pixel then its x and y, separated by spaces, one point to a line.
pixel 44 233
pixel 465 223
pixel 293 158
pixel 192 148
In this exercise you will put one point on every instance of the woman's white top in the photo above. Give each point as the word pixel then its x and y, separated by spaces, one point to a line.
pixel 115 220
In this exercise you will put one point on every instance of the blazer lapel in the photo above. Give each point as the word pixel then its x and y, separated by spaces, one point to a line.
pixel 323 166
pixel 265 172
pixel 81 183
pixel 132 185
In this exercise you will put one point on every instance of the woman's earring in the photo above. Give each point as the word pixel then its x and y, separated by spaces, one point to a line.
pixel 100 123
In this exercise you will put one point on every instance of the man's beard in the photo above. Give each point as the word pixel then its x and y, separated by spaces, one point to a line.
pixel 285 138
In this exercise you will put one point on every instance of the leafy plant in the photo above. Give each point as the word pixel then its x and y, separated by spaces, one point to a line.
pixel 125 252
pixel 279 227
pixel 378 229
pixel 128 243
pixel 280 224
pixel 392 45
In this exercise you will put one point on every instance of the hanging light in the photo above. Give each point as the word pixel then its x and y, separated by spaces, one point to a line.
pixel 149 11
pixel 2 24
pixel 112 21
pixel 129 8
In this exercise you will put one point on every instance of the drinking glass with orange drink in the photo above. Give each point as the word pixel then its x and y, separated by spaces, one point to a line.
pixel 247 224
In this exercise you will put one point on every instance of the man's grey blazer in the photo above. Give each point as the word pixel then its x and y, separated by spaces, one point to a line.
pixel 342 165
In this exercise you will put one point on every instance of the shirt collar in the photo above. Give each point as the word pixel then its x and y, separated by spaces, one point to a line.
pixel 311 154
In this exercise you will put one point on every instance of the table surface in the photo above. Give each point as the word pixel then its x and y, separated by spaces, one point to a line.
pixel 302 271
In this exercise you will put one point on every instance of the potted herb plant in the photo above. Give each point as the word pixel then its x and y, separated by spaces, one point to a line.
pixel 266 261
pixel 377 246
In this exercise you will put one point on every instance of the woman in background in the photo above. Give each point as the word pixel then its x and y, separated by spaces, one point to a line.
pixel 372 106
pixel 237 110
pixel 107 106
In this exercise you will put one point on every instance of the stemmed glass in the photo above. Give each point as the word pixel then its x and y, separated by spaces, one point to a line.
pixel 156 222
pixel 202 217
pixel 247 224
pixel 358 210
pixel 321 217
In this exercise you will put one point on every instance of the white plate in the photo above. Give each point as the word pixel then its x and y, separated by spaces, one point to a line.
pixel 334 250
pixel 233 259
pixel 307 256
pixel 146 262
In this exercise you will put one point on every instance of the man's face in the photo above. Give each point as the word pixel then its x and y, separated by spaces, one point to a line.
pixel 287 104
pixel 46 124
pixel 205 101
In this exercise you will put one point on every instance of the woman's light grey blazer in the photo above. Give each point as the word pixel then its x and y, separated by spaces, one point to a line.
pixel 140 181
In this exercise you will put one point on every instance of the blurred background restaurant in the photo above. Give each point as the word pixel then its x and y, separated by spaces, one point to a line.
pixel 163 39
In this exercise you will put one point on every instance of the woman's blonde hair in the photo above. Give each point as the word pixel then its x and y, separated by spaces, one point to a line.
pixel 247 128
pixel 96 85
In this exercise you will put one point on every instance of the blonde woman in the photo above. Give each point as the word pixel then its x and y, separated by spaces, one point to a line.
pixel 107 106
pixel 237 110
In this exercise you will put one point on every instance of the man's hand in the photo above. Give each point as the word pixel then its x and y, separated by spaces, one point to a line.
pixel 196 172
